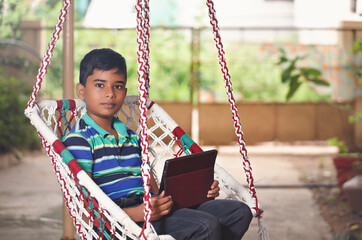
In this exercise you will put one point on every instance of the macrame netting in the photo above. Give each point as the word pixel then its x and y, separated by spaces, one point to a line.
pixel 96 216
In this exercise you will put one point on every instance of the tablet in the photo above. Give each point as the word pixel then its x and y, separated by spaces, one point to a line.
pixel 187 179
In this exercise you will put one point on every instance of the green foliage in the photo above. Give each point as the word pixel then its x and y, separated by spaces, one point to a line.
pixel 169 69
pixel 253 79
pixel 357 47
pixel 15 129
pixel 170 66
pixel 170 61
pixel 255 76
pixel 11 12
pixel 294 76
pixel 342 148
pixel 354 118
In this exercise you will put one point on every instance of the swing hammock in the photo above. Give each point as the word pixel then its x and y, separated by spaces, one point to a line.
pixel 94 214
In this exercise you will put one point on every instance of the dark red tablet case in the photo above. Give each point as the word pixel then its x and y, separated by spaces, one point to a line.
pixel 188 178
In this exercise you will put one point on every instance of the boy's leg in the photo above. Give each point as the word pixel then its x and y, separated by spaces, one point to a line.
pixel 189 224
pixel 234 217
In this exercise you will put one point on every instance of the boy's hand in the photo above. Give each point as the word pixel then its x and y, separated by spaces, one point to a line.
pixel 214 191
pixel 161 206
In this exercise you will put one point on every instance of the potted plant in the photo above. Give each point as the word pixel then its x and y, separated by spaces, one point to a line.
pixel 348 162
pixel 345 161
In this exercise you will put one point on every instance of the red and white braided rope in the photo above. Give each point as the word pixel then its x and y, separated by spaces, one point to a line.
pixel 49 53
pixel 235 115
pixel 142 89
pixel 146 32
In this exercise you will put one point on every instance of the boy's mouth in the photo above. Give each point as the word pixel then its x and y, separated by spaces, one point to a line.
pixel 108 105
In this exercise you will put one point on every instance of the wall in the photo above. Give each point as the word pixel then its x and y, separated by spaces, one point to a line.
pixel 262 122
pixel 274 122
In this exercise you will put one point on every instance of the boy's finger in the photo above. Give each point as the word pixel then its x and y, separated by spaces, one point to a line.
pixel 162 209
pixel 161 201
pixel 162 194
pixel 166 207
pixel 214 184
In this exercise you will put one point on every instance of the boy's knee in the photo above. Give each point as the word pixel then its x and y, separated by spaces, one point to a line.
pixel 209 228
pixel 244 211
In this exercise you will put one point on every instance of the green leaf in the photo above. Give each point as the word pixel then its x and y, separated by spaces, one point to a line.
pixel 351 119
pixel 357 47
pixel 310 73
pixel 294 80
pixel 282 51
pixel 282 59
pixel 286 74
pixel 293 86
pixel 319 82
pixel 342 148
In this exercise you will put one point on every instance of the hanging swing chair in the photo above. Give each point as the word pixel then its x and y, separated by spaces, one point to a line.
pixel 94 214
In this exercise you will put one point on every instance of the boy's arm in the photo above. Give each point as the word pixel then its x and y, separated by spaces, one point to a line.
pixel 160 205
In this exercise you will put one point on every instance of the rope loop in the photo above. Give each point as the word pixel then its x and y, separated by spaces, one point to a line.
pixel 143 67
pixel 49 53
pixel 235 116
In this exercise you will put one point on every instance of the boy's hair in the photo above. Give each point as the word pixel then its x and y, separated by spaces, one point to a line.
pixel 102 59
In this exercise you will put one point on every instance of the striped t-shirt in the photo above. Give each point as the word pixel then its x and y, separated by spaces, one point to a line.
pixel 116 168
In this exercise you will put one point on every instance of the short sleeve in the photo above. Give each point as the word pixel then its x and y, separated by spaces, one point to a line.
pixel 80 149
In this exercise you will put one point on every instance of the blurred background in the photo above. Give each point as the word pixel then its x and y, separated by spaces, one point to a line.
pixel 295 66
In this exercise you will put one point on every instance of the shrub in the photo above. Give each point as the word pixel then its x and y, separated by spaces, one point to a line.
pixel 15 129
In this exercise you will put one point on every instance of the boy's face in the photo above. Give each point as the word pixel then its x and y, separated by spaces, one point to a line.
pixel 104 93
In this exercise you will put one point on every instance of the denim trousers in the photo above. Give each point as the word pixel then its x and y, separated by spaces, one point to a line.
pixel 212 220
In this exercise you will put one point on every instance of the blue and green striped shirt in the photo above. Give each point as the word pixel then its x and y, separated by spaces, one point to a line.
pixel 116 168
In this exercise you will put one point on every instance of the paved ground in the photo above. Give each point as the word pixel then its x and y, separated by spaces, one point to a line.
pixel 31 202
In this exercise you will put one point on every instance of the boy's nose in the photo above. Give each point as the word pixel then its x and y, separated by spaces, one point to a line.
pixel 110 92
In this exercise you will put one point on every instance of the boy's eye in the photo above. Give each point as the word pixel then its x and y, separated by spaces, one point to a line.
pixel 99 85
pixel 119 87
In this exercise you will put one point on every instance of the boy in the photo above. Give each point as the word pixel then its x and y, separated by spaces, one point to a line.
pixel 110 153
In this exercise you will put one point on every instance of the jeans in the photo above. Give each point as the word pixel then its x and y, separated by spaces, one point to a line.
pixel 212 220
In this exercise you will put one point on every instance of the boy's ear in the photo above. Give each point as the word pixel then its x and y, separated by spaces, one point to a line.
pixel 80 91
